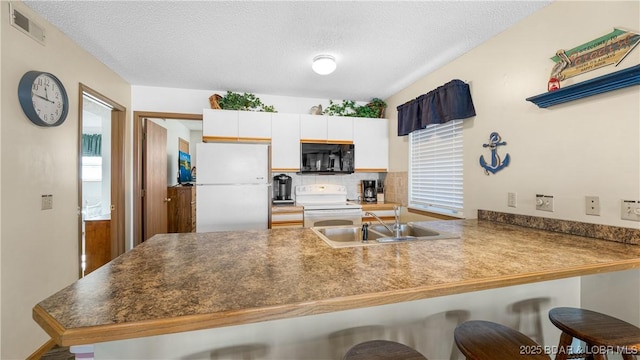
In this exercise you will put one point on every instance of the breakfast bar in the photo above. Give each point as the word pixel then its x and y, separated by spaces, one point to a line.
pixel 176 283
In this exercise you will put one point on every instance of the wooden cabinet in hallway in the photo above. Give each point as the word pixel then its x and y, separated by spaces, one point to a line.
pixel 181 209
pixel 98 242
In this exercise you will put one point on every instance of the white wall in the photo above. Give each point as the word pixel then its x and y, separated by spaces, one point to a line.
pixel 585 147
pixel 148 98
pixel 40 248
pixel 196 137
pixel 616 294
pixel 175 130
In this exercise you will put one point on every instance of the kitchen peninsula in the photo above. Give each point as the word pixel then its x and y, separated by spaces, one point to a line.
pixel 176 283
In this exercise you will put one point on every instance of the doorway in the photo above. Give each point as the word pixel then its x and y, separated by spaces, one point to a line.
pixel 142 212
pixel 101 184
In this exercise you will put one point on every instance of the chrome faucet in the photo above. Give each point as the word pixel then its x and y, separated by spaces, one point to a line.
pixel 396 224
pixel 380 221
pixel 395 230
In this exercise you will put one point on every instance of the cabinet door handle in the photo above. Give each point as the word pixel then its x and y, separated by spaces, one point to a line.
pixel 167 199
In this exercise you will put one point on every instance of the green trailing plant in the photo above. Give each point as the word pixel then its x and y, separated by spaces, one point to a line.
pixel 245 101
pixel 346 108
pixel 374 109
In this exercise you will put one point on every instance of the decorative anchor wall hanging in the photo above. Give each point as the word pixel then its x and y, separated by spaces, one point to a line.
pixel 496 163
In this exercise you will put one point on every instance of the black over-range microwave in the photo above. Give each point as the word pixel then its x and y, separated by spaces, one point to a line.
pixel 323 158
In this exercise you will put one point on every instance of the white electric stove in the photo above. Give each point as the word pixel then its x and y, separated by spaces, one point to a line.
pixel 327 205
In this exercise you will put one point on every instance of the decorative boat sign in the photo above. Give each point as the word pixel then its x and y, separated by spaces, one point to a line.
pixel 605 50
pixel 496 163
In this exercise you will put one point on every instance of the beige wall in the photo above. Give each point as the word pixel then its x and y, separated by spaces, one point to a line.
pixel 585 147
pixel 40 248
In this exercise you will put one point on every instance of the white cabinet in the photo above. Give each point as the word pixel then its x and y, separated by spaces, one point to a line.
pixel 313 127
pixel 254 125
pixel 340 129
pixel 371 139
pixel 285 142
pixel 230 125
pixel 337 129
pixel 286 131
pixel 219 125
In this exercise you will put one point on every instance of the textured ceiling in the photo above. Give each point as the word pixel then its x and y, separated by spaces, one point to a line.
pixel 266 47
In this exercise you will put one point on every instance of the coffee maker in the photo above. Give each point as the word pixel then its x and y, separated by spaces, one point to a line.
pixel 282 189
pixel 369 191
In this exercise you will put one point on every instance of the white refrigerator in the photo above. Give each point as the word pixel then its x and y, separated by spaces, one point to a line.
pixel 233 187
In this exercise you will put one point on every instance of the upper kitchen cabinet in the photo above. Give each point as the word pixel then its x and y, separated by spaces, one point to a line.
pixel 219 125
pixel 254 126
pixel 313 127
pixel 285 142
pixel 231 125
pixel 340 129
pixel 337 129
pixel 371 139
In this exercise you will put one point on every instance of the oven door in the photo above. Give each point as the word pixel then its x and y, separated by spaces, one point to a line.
pixel 332 217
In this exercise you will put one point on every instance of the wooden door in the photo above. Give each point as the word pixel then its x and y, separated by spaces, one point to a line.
pixel 183 145
pixel 155 179
pixel 118 216
pixel 98 245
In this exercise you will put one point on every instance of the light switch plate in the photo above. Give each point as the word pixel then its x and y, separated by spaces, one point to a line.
pixel 47 202
pixel 630 210
pixel 512 199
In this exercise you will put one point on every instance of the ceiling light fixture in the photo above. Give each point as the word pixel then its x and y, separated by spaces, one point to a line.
pixel 324 64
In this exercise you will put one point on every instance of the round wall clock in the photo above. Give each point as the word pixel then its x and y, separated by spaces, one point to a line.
pixel 43 98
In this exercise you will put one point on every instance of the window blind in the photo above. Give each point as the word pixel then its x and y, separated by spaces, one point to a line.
pixel 436 169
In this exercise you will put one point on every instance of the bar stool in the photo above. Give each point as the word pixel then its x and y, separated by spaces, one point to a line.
pixel 600 333
pixel 382 350
pixel 239 352
pixel 529 317
pixel 486 340
pixel 342 340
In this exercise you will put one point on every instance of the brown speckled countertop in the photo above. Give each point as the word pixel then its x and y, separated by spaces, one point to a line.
pixel 182 282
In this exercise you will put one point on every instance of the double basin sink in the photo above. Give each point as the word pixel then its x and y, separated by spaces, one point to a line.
pixel 350 236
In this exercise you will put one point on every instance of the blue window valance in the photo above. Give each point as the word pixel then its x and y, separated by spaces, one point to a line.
pixel 448 102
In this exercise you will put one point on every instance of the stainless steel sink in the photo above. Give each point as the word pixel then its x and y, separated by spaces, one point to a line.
pixel 405 230
pixel 349 236
pixel 344 236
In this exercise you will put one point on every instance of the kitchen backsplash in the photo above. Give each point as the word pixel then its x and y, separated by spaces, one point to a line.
pixel 397 187
pixel 606 232
pixel 352 181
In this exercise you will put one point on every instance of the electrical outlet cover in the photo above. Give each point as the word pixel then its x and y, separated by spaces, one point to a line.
pixel 544 202
pixel 592 205
pixel 630 210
